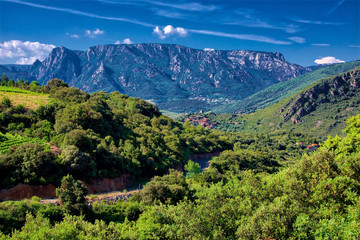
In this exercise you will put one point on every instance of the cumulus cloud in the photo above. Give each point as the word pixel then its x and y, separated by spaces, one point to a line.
pixel 297 39
pixel 127 41
pixel 24 52
pixel 209 49
pixel 328 60
pixel 170 30
pixel 94 33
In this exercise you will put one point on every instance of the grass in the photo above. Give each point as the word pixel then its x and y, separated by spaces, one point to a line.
pixel 18 96
pixel 172 115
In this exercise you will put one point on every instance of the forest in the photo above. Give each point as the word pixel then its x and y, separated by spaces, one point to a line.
pixel 262 186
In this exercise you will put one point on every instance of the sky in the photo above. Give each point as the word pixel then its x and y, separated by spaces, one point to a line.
pixel 306 32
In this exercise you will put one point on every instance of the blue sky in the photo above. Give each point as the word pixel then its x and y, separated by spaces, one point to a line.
pixel 325 31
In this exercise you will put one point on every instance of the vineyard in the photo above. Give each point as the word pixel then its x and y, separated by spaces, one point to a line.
pixel 13 89
pixel 31 100
pixel 8 140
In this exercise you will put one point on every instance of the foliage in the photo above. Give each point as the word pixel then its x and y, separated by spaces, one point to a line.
pixel 99 135
pixel 169 189
pixel 72 194
pixel 317 197
pixel 283 90
pixel 192 168
pixel 319 109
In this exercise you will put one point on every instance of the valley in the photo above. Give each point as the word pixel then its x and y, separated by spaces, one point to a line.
pixel 176 78
pixel 283 164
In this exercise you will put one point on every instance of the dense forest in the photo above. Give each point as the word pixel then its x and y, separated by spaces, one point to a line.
pixel 262 186
pixel 92 136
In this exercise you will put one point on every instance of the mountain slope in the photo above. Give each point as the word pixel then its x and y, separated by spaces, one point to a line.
pixel 320 109
pixel 280 91
pixel 169 75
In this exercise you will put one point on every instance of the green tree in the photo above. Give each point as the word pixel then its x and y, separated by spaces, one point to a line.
pixel 6 102
pixel 4 78
pixel 192 168
pixel 169 189
pixel 72 195
pixel 78 163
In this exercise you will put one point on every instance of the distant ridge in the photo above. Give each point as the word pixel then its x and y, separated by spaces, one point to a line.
pixel 175 77
pixel 320 109
pixel 280 91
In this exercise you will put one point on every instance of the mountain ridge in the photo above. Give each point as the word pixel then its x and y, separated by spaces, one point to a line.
pixel 166 72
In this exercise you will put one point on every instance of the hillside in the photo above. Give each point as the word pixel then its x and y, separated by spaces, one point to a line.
pixel 176 78
pixel 28 99
pixel 320 109
pixel 90 136
pixel 280 91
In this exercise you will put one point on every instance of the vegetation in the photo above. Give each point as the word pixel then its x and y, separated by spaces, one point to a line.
pixel 320 109
pixel 92 136
pixel 283 90
pixel 278 185
pixel 316 198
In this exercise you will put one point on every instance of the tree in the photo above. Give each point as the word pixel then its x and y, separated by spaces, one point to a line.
pixel 6 102
pixel 192 169
pixel 4 78
pixel 72 195
pixel 168 189
pixel 55 83
pixel 78 163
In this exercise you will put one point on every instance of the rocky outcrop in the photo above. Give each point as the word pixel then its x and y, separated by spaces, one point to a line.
pixel 108 184
pixel 163 72
pixel 22 191
pixel 332 90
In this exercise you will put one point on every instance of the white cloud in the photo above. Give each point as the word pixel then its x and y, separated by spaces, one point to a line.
pixel 297 39
pixel 80 13
pixel 170 30
pixel 94 33
pixel 328 60
pixel 191 6
pixel 321 44
pixel 26 61
pixel 250 18
pixel 209 49
pixel 127 41
pixel 336 6
pixel 24 52
pixel 251 37
pixel 72 35
pixel 354 46
pixel 317 22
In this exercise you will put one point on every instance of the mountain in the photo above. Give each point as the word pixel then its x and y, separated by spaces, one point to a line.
pixel 280 91
pixel 176 78
pixel 320 109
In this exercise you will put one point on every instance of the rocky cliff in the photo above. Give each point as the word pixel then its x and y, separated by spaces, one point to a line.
pixel 164 72
pixel 329 90
pixel 22 191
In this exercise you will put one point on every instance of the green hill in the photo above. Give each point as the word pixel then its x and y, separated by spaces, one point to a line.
pixel 319 109
pixel 280 91
pixel 89 136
